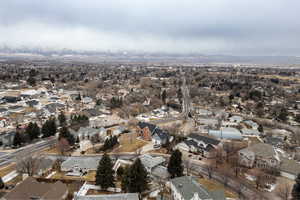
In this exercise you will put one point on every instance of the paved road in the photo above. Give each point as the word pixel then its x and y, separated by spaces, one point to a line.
pixel 8 158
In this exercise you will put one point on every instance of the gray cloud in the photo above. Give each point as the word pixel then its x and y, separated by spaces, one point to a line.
pixel 268 27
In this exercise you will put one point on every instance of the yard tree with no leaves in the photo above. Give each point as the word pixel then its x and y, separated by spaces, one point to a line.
pixel 105 173
pixel 175 167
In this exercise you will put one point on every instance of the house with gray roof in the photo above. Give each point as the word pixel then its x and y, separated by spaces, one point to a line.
pixel 251 124
pixel 289 168
pixel 250 132
pixel 150 162
pixel 201 144
pixel 187 188
pixel 259 155
pixel 88 132
pixel 80 164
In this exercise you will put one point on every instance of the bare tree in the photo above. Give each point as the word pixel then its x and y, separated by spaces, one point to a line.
pixel 57 165
pixel 188 166
pixel 260 180
pixel 63 145
pixel 224 176
pixel 284 191
pixel 235 165
pixel 209 168
pixel 28 165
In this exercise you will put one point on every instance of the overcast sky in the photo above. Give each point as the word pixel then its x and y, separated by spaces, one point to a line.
pixel 237 27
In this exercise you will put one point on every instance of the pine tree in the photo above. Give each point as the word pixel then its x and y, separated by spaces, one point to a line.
pixel 125 179
pixel 138 177
pixel 1 183
pixel 65 133
pixel 17 139
pixel 164 96
pixel 175 167
pixel 120 171
pixel 105 173
pixel 33 130
pixel 296 188
pixel 49 128
pixel 62 118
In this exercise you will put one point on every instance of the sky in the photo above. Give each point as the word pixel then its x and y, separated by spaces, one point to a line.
pixel 232 27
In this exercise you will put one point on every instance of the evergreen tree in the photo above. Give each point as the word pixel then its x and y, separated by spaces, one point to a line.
pixel 105 173
pixel 296 189
pixel 175 167
pixel 62 118
pixel 65 133
pixel 120 172
pixel 77 140
pixel 1 183
pixel 33 130
pixel 49 128
pixel 260 128
pixel 164 96
pixel 138 177
pixel 125 179
pixel 18 140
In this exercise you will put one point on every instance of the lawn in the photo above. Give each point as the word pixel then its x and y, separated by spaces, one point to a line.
pixel 129 143
pixel 62 176
pixel 213 185
pixel 52 150
pixel 6 170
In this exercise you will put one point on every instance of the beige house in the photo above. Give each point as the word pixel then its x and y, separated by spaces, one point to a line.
pixel 259 155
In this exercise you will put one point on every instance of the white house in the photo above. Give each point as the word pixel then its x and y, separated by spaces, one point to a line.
pixel 187 188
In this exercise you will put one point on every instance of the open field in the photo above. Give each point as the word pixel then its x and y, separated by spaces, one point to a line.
pixel 62 175
pixel 213 185
pixel 6 170
pixel 129 143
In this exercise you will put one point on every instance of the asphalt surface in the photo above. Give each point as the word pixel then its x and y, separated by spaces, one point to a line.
pixel 8 158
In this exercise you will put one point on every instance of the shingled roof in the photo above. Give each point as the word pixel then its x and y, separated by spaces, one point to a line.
pixel 205 139
pixel 188 186
pixel 30 189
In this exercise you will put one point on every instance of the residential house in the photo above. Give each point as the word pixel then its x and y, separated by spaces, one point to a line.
pixel 4 122
pixel 250 132
pixel 3 111
pixel 274 141
pixel 259 155
pixel 7 138
pixel 226 133
pixel 154 166
pixel 31 189
pixel 78 165
pixel 289 168
pixel 235 119
pixel 187 188
pixel 88 132
pixel 204 145
pixel 145 130
pixel 251 124
pixel 152 133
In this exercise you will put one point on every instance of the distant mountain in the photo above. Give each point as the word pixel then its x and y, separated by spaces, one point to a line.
pixel 101 56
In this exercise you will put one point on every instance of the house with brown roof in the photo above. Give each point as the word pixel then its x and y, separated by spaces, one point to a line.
pixel 30 189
